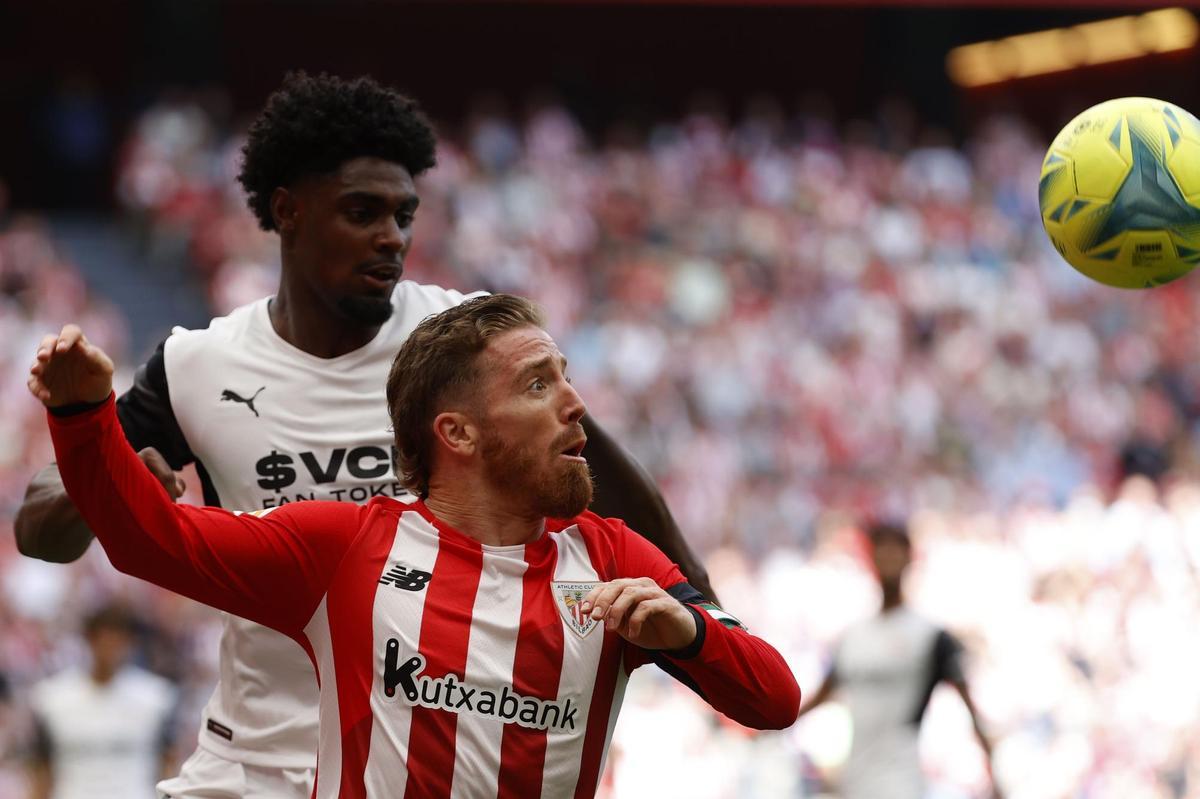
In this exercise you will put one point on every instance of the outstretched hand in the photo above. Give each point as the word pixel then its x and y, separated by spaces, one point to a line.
pixel 68 370
pixel 642 613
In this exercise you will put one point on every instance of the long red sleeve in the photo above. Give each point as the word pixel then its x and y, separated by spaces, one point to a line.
pixel 743 676
pixel 272 569
pixel 738 673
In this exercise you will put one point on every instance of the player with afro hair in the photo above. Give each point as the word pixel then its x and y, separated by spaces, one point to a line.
pixel 313 124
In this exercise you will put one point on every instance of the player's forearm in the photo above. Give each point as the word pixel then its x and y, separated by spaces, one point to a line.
pixel 821 696
pixel 743 677
pixel 976 722
pixel 136 523
pixel 625 491
pixel 207 554
pixel 48 525
pixel 985 742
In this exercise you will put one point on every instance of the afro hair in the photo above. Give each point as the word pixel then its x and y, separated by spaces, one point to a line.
pixel 312 125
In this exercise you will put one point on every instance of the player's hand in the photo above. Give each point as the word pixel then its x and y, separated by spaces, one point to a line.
pixel 67 370
pixel 642 613
pixel 159 467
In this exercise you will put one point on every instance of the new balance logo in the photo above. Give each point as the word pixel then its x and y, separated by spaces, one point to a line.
pixel 448 693
pixel 407 578
pixel 229 395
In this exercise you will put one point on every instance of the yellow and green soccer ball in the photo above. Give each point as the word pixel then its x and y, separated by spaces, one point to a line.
pixel 1120 192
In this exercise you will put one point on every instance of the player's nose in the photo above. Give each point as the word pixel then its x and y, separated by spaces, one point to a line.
pixel 574 408
pixel 391 237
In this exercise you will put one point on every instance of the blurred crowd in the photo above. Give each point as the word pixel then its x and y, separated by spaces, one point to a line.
pixel 868 319
pixel 42 605
pixel 794 326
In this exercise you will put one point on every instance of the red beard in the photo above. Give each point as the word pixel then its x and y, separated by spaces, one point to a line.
pixel 557 488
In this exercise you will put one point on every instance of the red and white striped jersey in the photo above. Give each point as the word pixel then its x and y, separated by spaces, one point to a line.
pixel 446 668
pixel 267 424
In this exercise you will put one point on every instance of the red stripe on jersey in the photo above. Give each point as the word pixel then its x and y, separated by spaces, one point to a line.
pixel 536 670
pixel 605 565
pixel 445 631
pixel 350 607
pixel 597 725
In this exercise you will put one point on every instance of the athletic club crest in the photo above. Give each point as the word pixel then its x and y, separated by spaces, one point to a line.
pixel 568 597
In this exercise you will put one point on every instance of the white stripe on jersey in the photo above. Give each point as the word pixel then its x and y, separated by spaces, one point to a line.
pixel 329 753
pixel 562 761
pixel 414 547
pixel 614 710
pixel 497 603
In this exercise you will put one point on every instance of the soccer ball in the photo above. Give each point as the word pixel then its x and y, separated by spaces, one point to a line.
pixel 1120 192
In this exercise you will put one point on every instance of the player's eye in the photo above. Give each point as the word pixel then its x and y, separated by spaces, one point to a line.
pixel 359 215
pixel 538 384
pixel 404 218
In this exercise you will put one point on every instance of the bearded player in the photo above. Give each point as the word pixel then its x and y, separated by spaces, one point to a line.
pixel 282 400
pixel 473 642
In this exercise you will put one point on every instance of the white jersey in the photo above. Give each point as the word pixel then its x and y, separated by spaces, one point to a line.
pixel 103 741
pixel 268 424
pixel 886 668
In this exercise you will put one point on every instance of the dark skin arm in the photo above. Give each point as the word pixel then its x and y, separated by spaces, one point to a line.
pixel 625 491
pixel 984 741
pixel 821 696
pixel 47 525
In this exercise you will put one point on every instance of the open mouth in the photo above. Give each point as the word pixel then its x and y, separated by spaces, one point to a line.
pixel 382 275
pixel 575 451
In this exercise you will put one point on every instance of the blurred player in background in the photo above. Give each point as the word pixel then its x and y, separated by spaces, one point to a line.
pixel 884 670
pixel 283 401
pixel 104 731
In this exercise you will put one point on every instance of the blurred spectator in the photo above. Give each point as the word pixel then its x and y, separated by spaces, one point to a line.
pixel 102 732
pixel 42 605
pixel 886 669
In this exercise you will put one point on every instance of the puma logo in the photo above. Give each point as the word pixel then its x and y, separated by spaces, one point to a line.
pixel 228 395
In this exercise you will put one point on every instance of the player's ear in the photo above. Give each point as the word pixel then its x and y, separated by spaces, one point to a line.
pixel 456 432
pixel 284 210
